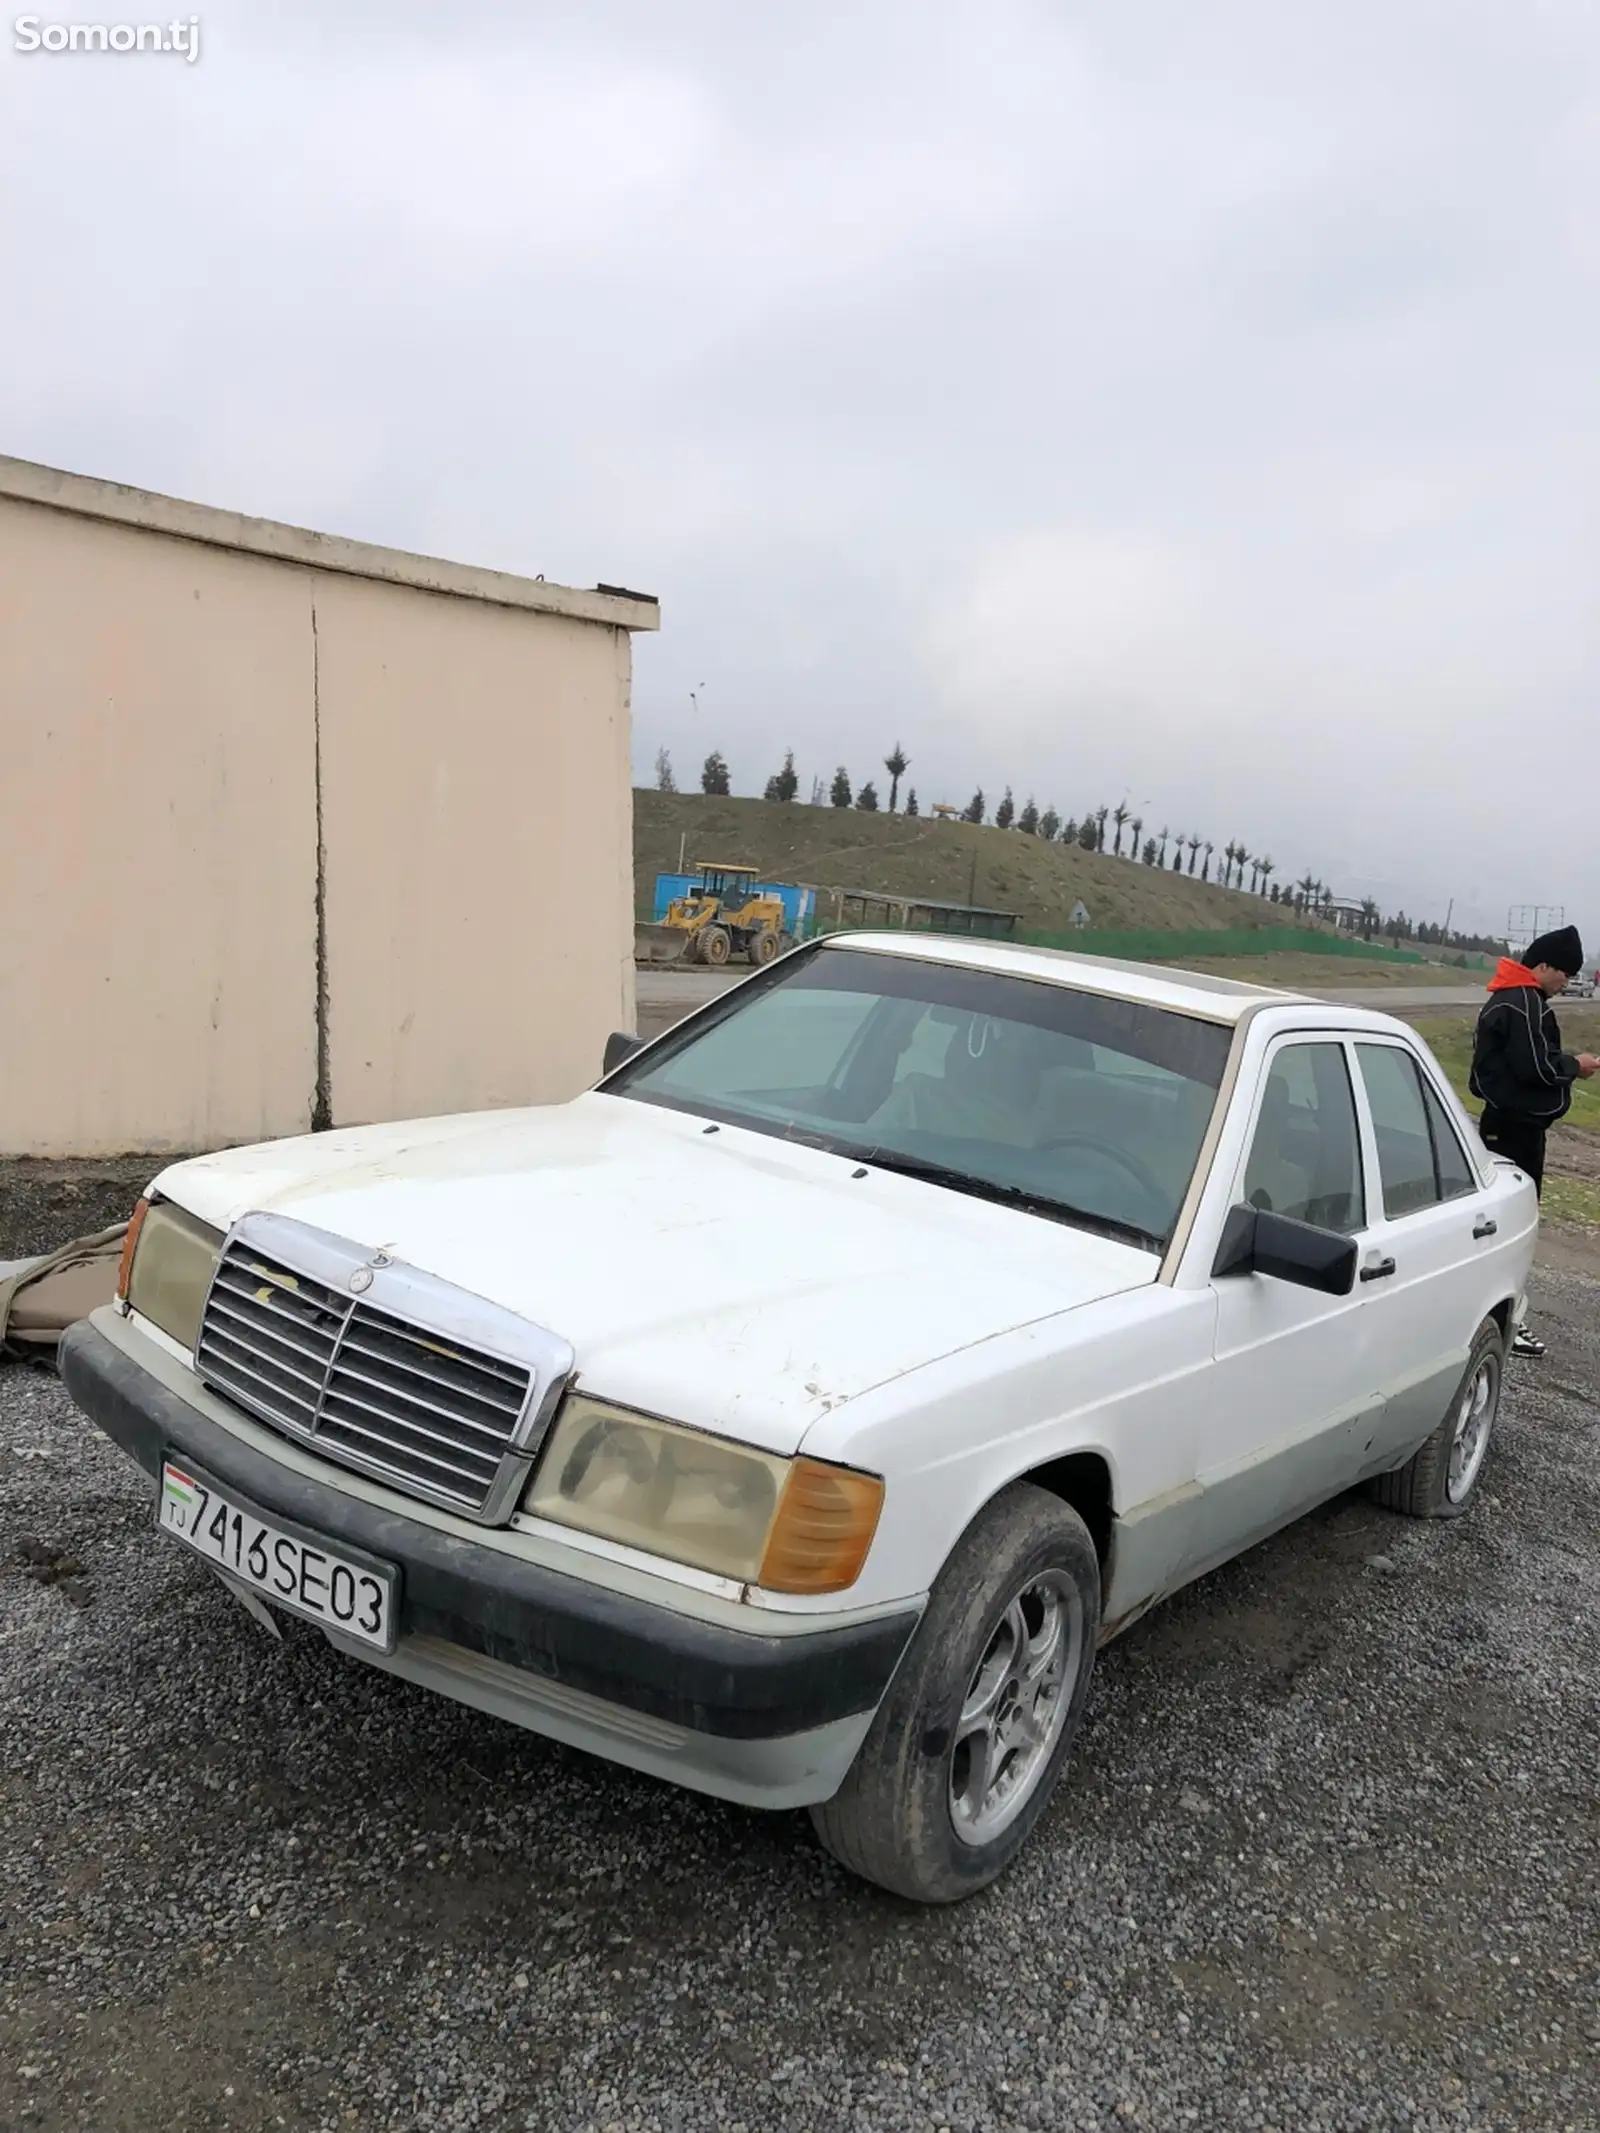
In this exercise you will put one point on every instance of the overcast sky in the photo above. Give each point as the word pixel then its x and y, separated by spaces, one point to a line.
pixel 1185 400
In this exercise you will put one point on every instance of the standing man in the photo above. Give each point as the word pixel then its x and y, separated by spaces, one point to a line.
pixel 1519 1069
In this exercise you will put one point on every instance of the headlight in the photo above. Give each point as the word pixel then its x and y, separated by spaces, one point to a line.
pixel 792 1525
pixel 168 1270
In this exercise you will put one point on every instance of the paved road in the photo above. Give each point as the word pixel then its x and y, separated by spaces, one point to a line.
pixel 663 990
pixel 666 995
pixel 1389 997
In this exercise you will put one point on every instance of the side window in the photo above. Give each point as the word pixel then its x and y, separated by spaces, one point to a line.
pixel 1400 1126
pixel 1456 1174
pixel 1305 1159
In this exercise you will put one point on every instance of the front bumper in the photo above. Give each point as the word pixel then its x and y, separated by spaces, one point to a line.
pixel 765 1718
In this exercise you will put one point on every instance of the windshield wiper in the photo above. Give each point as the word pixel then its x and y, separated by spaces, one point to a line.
pixel 1018 1196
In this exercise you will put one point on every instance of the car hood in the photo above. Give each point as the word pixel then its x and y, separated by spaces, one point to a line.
pixel 722 1277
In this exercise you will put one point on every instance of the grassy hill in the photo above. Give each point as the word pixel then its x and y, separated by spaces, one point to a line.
pixel 953 862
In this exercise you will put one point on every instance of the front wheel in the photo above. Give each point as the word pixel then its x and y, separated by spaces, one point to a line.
pixel 715 946
pixel 968 1744
pixel 1441 1480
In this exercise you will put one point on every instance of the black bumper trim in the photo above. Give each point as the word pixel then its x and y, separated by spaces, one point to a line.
pixel 698 1675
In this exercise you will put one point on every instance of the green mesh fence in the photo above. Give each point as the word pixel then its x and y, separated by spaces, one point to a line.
pixel 1151 944
pixel 1155 944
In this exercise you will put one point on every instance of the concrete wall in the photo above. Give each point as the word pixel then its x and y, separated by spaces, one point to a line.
pixel 478 828
pixel 293 829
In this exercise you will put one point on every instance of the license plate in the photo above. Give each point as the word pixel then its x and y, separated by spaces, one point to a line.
pixel 354 1594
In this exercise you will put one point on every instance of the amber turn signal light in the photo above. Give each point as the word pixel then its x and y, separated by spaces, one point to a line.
pixel 825 1521
pixel 130 1244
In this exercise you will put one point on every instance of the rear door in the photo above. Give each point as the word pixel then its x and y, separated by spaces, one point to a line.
pixel 1423 1272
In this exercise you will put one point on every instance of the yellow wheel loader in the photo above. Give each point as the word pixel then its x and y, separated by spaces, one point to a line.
pixel 722 916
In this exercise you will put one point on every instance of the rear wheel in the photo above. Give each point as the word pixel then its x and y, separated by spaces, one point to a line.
pixel 968 1744
pixel 763 949
pixel 715 946
pixel 1442 1479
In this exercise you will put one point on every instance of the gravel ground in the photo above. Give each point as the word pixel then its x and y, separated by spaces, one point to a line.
pixel 1328 1856
pixel 46 1204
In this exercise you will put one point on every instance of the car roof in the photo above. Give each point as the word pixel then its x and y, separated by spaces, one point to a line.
pixel 1190 992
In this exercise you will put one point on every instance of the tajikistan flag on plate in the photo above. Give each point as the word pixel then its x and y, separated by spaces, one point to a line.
pixel 178 1487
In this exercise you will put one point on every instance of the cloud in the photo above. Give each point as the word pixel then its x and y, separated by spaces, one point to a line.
pixel 1190 402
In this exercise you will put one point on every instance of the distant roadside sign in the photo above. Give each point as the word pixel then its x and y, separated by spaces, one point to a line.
pixel 1080 914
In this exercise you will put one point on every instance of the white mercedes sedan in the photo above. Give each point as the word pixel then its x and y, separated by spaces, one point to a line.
pixel 794 1414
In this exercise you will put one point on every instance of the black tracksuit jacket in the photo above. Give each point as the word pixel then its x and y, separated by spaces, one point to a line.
pixel 1518 1066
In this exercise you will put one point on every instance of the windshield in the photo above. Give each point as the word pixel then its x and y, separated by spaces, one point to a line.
pixel 1065 1103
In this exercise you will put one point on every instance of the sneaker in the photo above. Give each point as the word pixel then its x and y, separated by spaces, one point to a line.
pixel 1525 1343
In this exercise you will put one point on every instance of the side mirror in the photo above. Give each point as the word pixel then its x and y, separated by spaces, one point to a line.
pixel 619 1046
pixel 1256 1241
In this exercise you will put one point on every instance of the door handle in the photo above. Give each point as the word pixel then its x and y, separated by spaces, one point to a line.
pixel 1486 1227
pixel 1377 1270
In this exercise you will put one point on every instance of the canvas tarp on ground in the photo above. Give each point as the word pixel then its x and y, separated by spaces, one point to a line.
pixel 40 1298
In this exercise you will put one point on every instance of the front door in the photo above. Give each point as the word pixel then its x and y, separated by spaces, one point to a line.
pixel 1295 1404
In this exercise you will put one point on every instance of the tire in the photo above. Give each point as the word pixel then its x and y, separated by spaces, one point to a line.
pixel 895 1819
pixel 715 946
pixel 1434 1483
pixel 763 949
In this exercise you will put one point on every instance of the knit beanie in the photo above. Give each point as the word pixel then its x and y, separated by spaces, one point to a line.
pixel 1562 950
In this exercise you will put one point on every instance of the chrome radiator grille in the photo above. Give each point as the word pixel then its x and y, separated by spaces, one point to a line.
pixel 377 1365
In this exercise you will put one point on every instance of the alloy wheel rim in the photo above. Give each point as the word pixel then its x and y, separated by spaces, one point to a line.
pixel 1474 1420
pixel 1015 1707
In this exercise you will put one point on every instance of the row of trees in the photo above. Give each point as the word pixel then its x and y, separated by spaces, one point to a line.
pixel 784 784
pixel 1236 867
